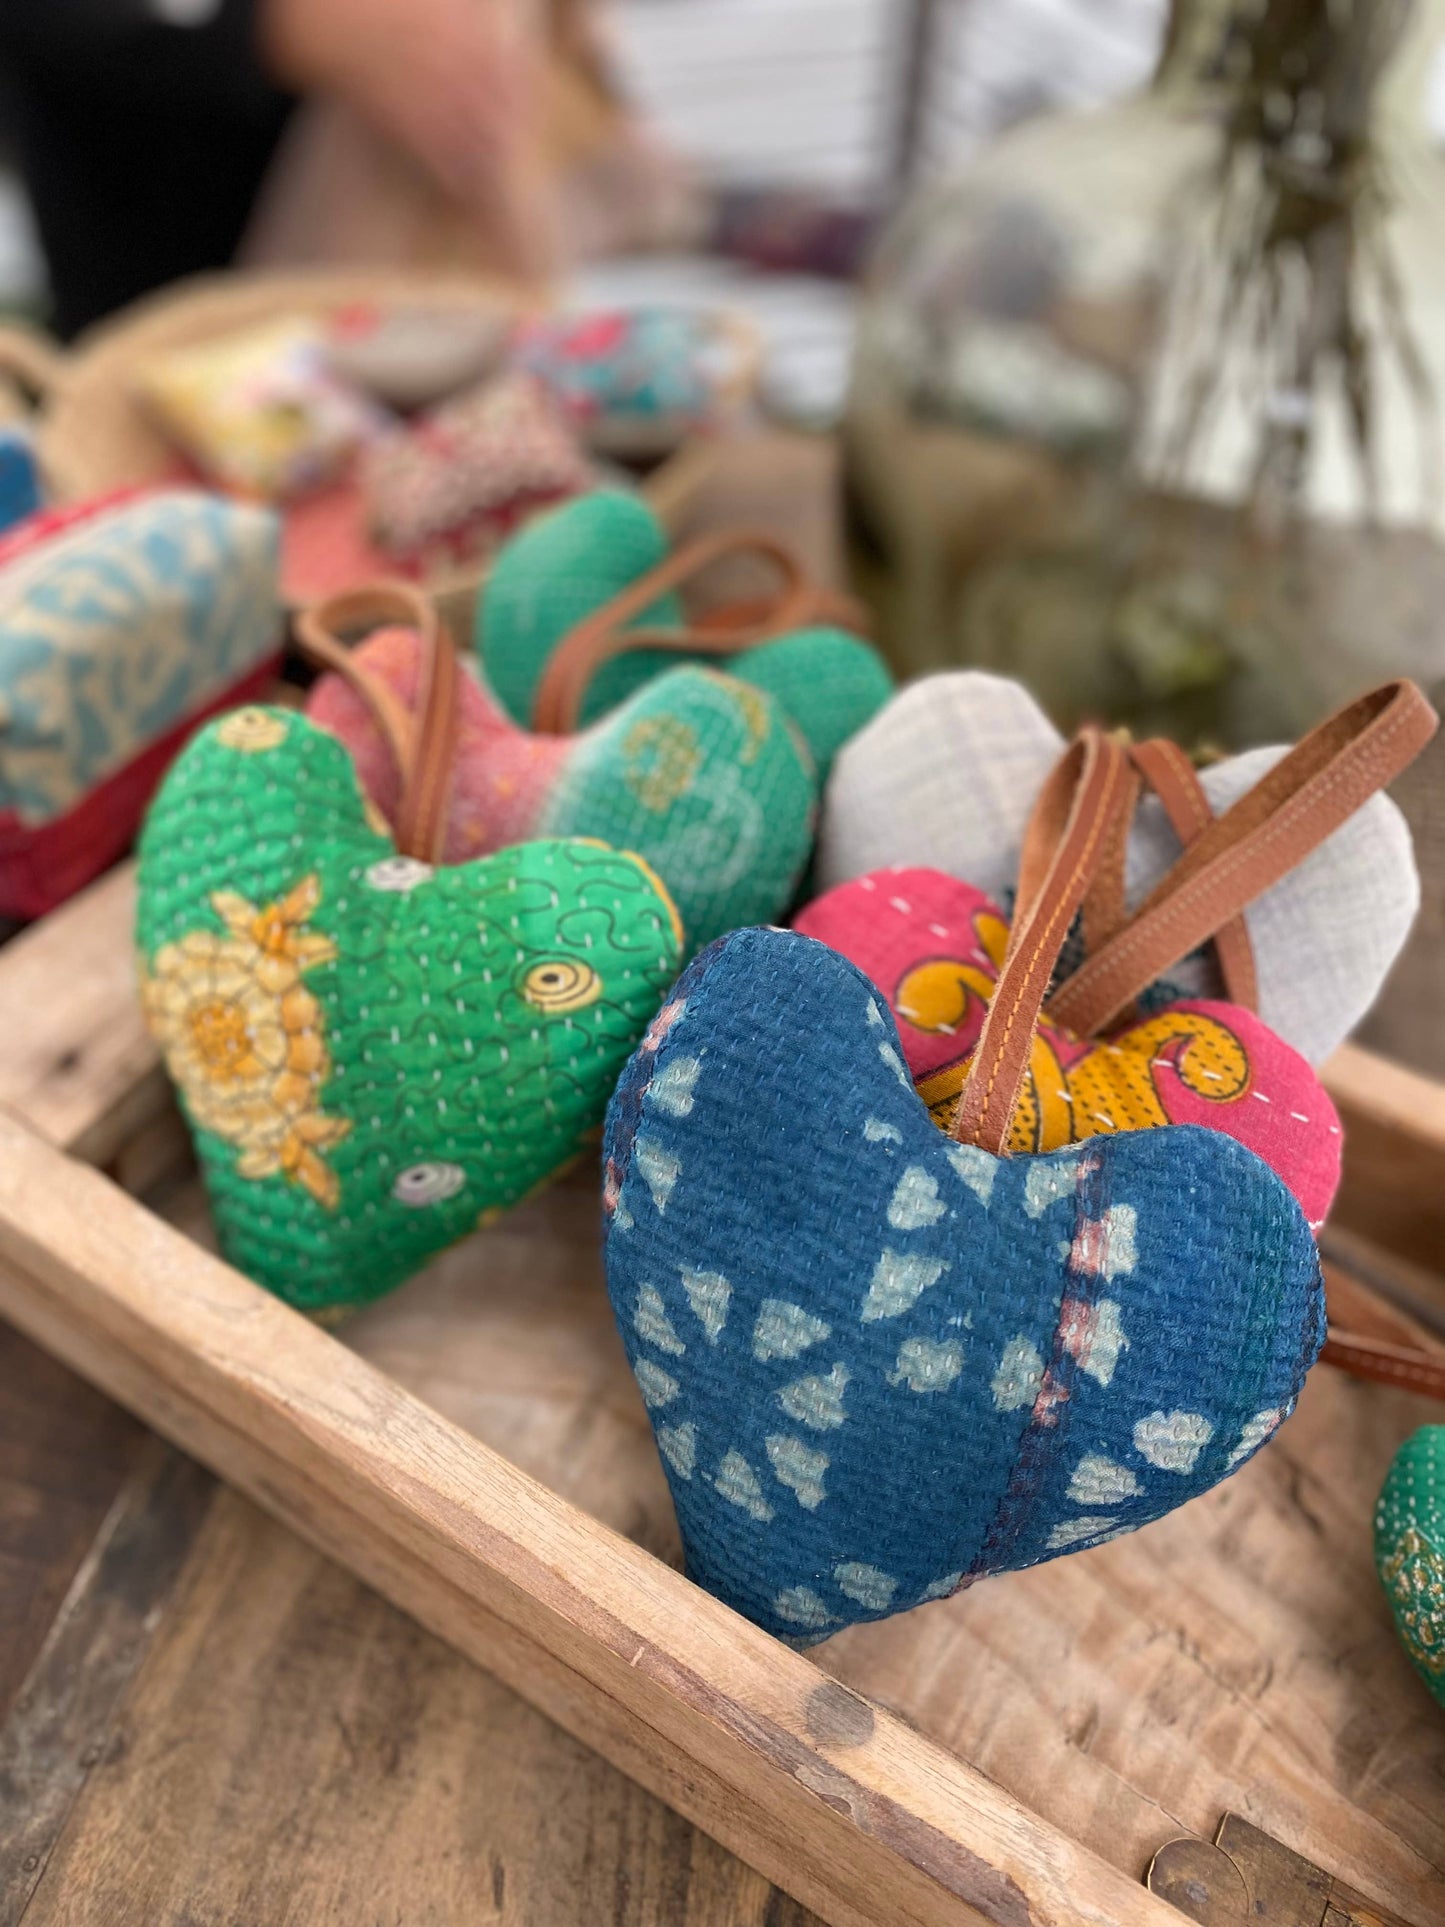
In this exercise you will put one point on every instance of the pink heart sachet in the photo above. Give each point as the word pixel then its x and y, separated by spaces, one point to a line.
pixel 933 946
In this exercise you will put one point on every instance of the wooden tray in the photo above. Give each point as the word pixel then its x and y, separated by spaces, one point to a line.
pixel 475 1449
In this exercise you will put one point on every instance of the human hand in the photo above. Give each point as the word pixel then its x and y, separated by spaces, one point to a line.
pixel 455 82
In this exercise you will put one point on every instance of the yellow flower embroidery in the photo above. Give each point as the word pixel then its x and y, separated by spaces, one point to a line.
pixel 251 731
pixel 243 1036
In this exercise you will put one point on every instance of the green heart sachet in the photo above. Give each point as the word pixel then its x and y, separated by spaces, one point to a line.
pixel 374 1052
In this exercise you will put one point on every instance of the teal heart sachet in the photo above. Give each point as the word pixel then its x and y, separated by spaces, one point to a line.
pixel 608 551
pixel 1410 1551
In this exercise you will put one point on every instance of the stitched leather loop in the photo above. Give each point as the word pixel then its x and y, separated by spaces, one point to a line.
pixel 422 742
pixel 1305 798
pixel 1406 1366
pixel 1078 811
pixel 723 632
pixel 1370 1337
pixel 1175 781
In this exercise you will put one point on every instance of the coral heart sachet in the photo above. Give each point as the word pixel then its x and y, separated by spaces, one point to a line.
pixel 945 777
pixel 698 772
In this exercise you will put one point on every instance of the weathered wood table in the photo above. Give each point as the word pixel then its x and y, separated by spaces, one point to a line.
pixel 204 1723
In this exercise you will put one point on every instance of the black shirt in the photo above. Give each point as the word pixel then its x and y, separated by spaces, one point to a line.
pixel 143 128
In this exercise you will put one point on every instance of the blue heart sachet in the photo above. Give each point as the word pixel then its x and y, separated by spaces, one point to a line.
pixel 881 1364
pixel 881 1361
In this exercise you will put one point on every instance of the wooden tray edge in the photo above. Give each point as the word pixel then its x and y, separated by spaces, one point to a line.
pixel 828 1796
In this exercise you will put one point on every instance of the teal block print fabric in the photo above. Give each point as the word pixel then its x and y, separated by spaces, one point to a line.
pixel 375 1055
pixel 118 623
pixel 567 563
pixel 881 1365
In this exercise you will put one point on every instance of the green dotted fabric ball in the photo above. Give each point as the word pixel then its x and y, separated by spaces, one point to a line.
pixel 567 563
pixel 1410 1551
pixel 374 1055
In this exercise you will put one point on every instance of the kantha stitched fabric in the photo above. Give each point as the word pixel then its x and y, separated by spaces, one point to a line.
pixel 934 948
pixel 1410 1551
pixel 700 774
pixel 567 563
pixel 649 374
pixel 121 621
pixel 881 1365
pixel 461 476
pixel 259 412
pixel 116 621
pixel 375 1055
pixel 946 775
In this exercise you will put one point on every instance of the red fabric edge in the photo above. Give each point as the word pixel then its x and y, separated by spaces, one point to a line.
pixel 41 865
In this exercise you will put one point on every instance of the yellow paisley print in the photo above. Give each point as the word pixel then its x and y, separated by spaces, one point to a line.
pixel 1072 1092
pixel 243 1036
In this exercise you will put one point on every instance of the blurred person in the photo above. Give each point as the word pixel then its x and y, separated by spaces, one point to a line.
pixel 144 128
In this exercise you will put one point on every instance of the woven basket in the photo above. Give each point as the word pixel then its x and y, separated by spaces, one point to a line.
pixel 94 437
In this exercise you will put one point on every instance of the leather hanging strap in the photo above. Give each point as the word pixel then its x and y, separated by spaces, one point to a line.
pixel 1371 1338
pixel 724 631
pixel 1167 770
pixel 1303 800
pixel 1175 781
pixel 1077 814
pixel 1408 1367
pixel 423 740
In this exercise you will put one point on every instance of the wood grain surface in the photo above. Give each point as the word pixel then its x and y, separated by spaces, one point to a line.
pixel 849 1808
pixel 1238 1654
pixel 65 1452
pixel 222 1728
pixel 286 1746
pixel 298 1751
